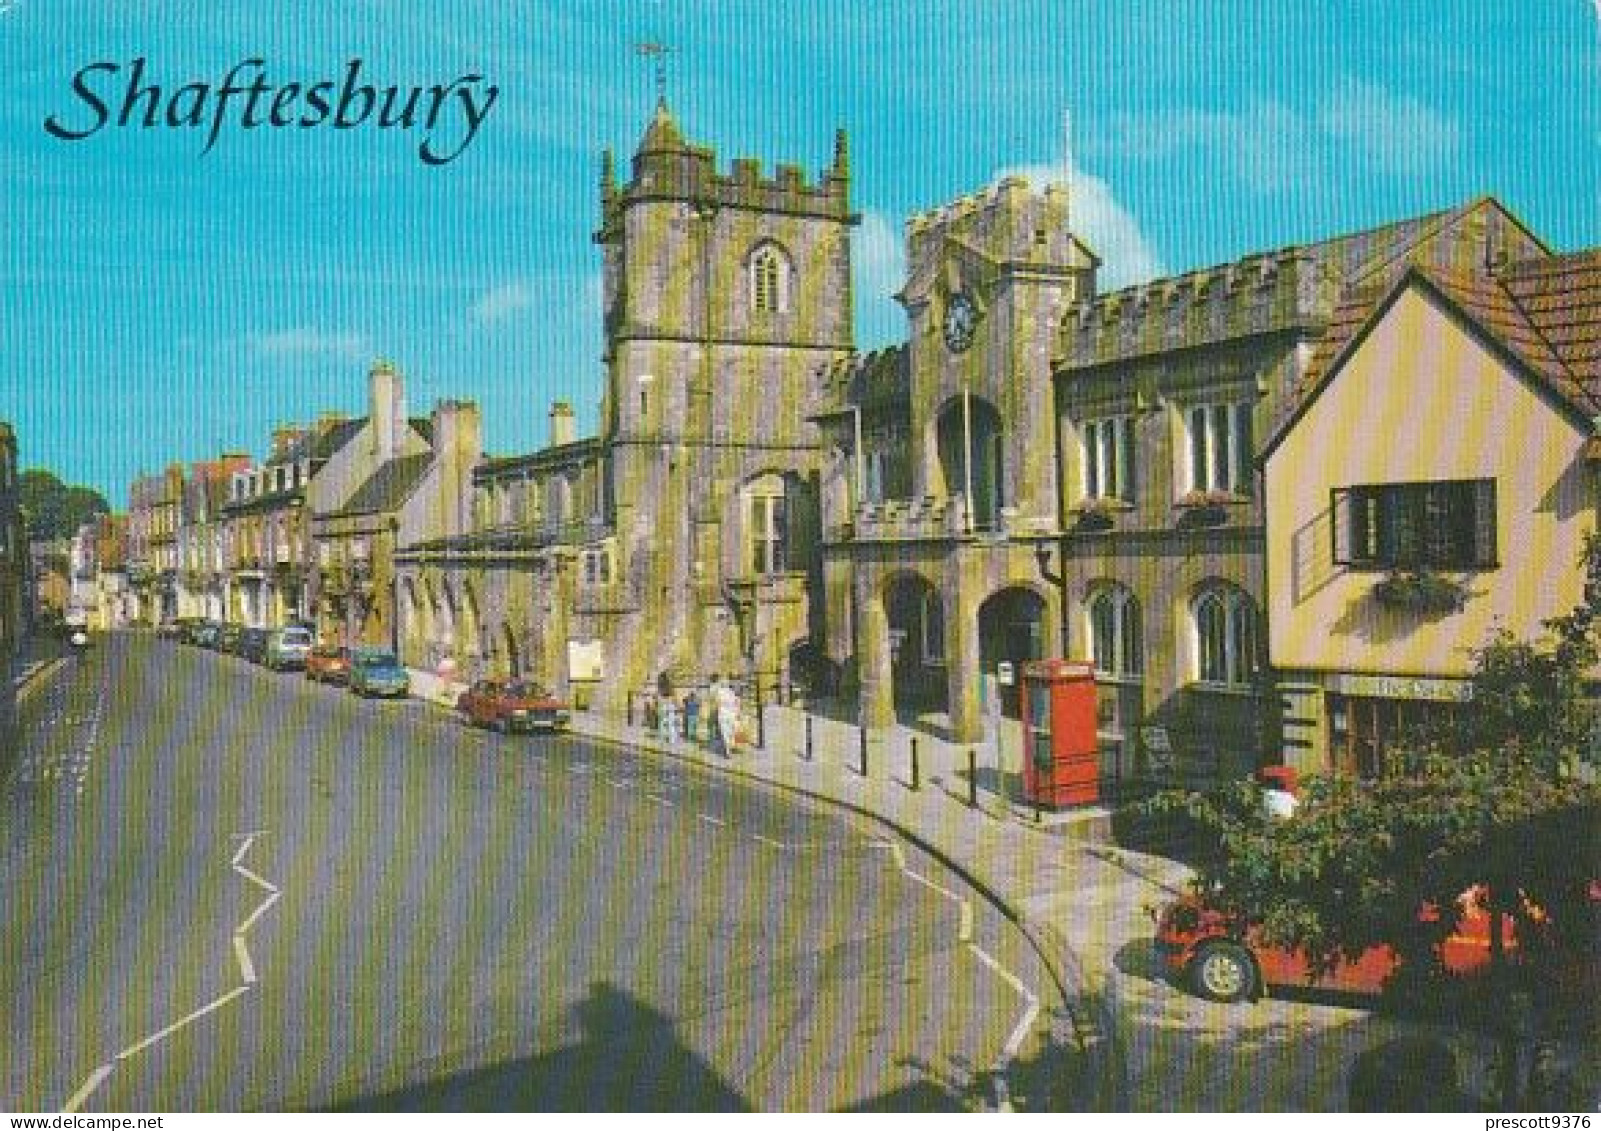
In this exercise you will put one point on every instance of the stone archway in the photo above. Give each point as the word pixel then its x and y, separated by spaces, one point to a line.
pixel 1011 628
pixel 916 615
pixel 970 439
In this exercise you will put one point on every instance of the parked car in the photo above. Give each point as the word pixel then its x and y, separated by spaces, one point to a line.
pixel 253 644
pixel 375 672
pixel 327 663
pixel 512 705
pixel 288 648
pixel 205 634
pixel 1219 960
pixel 228 637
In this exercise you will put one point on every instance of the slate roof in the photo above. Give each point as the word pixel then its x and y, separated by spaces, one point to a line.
pixel 1545 313
pixel 388 487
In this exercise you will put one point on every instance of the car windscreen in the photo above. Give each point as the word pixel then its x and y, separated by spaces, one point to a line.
pixel 296 636
pixel 523 690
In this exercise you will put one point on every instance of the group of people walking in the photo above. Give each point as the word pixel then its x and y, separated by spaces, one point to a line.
pixel 714 714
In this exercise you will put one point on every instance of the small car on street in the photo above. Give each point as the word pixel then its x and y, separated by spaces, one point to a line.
pixel 1219 960
pixel 205 634
pixel 228 637
pixel 288 648
pixel 328 663
pixel 512 705
pixel 376 672
pixel 253 644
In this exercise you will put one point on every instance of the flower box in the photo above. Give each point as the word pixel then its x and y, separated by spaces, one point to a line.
pixel 1420 591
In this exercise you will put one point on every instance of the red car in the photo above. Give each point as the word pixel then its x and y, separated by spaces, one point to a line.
pixel 327 664
pixel 1221 962
pixel 512 704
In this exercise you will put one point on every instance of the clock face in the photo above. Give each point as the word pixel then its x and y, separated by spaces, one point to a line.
pixel 961 321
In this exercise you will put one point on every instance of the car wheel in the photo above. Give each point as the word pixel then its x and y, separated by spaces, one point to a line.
pixel 1223 972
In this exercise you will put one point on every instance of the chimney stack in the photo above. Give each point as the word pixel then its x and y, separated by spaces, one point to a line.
pixel 387 409
pixel 563 429
pixel 458 448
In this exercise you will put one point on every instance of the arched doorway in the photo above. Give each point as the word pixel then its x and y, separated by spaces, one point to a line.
pixel 917 643
pixel 971 436
pixel 1011 627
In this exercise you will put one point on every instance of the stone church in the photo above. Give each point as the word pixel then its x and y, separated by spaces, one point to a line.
pixel 684 537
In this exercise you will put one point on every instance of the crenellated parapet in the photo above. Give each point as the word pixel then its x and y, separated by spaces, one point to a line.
pixel 1007 222
pixel 666 167
pixel 1260 294
pixel 879 379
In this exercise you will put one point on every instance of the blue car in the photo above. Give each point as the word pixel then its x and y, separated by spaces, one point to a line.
pixel 374 672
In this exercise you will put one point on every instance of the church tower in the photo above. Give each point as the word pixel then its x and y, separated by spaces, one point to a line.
pixel 724 293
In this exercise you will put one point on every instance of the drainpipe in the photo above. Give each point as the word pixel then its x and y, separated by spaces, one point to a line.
pixel 967 451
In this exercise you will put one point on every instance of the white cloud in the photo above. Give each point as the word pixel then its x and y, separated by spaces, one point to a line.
pixel 1393 131
pixel 1101 221
pixel 878 269
pixel 306 341
pixel 502 302
pixel 1274 148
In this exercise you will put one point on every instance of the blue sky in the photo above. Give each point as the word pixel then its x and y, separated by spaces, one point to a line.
pixel 158 304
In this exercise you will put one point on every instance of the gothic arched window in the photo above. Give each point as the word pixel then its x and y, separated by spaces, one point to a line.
pixel 769 280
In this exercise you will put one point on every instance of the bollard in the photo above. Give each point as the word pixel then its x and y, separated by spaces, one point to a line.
pixel 863 734
pixel 916 783
pixel 808 753
pixel 972 779
pixel 628 709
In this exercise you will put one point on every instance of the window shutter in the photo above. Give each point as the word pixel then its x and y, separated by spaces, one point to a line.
pixel 1340 521
pixel 1484 548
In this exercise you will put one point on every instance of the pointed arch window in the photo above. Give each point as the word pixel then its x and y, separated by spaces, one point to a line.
pixel 1224 624
pixel 1115 633
pixel 769 280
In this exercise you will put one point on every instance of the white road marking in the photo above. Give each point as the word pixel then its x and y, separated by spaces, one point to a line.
pixel 615 784
pixel 182 1021
pixel 96 1078
pixel 710 820
pixel 658 799
pixel 258 912
pixel 771 841
pixel 247 969
pixel 1014 1043
pixel 255 879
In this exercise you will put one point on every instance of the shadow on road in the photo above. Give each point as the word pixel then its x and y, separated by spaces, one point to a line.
pixel 627 1058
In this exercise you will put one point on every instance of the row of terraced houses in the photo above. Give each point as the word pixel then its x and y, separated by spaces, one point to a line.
pixel 1276 501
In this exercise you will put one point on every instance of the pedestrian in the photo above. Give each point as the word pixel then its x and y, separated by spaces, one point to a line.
pixel 714 696
pixel 669 721
pixel 692 717
pixel 727 707
pixel 649 714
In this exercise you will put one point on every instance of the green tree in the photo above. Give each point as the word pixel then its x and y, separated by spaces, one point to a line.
pixel 56 509
pixel 1502 801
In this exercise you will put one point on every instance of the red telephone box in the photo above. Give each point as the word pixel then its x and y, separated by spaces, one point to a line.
pixel 1061 752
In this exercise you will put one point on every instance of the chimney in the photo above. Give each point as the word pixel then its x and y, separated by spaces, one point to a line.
pixel 563 430
pixel 458 447
pixel 386 414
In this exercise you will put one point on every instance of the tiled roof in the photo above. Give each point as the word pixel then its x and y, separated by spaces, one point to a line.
pixel 388 487
pixel 1545 312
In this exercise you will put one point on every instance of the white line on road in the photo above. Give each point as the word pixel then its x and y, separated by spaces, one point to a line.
pixel 770 840
pixel 1014 1043
pixel 710 820
pixel 247 968
pixel 658 799
pixel 96 1078
pixel 258 912
pixel 255 879
pixel 182 1021
pixel 615 784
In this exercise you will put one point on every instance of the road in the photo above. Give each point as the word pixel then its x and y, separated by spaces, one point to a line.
pixel 233 890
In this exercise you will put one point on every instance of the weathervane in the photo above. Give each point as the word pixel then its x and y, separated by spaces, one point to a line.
pixel 659 52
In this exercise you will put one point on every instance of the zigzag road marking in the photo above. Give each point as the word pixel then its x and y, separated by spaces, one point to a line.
pixel 247 972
